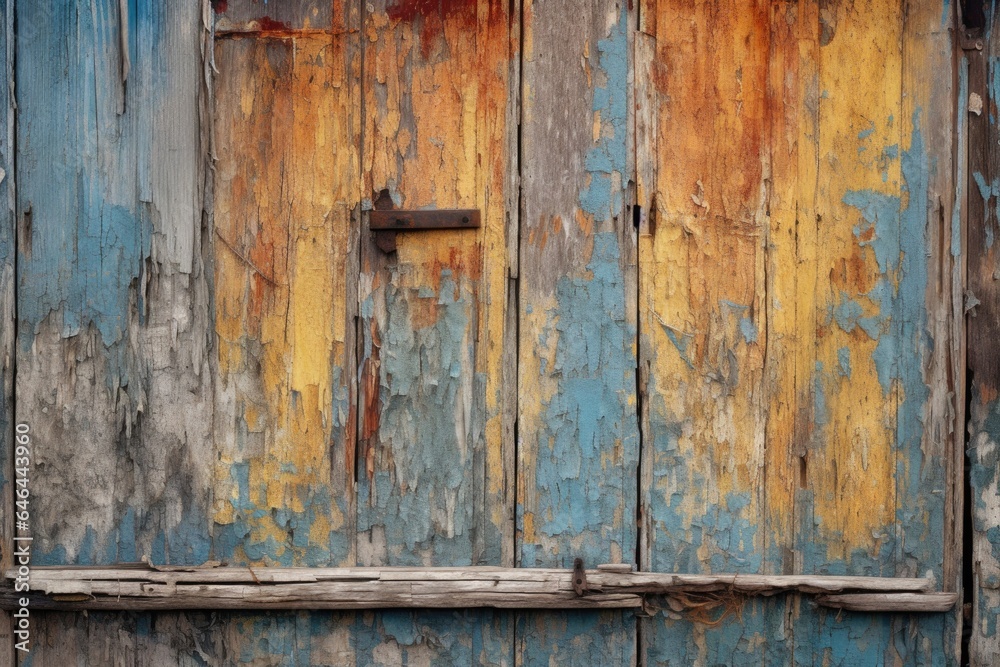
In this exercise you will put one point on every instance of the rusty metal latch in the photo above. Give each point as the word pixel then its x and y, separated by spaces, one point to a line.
pixel 385 223
pixel 579 577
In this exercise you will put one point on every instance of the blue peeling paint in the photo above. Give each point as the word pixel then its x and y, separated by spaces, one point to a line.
pixel 721 533
pixel 579 491
pixel 680 343
pixel 821 415
pixel 900 244
pixel 847 313
pixel 424 471
pixel 747 634
pixel 988 191
pixel 602 197
pixel 984 456
pixel 235 542
pixel 445 637
pixel 575 638
pixel 844 359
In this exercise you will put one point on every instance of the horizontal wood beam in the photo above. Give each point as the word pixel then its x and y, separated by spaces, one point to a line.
pixel 894 602
pixel 144 587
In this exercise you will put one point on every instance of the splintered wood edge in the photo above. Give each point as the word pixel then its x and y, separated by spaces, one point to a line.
pixel 131 587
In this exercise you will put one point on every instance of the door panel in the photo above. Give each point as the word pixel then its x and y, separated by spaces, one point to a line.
pixel 764 379
pixel 432 488
pixel 577 428
pixel 287 176
pixel 796 411
pixel 430 476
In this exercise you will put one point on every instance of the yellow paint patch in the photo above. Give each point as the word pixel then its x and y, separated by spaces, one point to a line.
pixel 282 207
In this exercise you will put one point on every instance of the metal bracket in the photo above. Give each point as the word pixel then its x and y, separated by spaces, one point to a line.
pixel 385 223
pixel 579 577
pixel 971 39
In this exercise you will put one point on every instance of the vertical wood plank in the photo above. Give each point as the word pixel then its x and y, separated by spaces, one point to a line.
pixel 983 304
pixel 703 326
pixel 844 434
pixel 930 433
pixel 8 323
pixel 193 639
pixel 433 311
pixel 435 422
pixel 113 325
pixel 792 272
pixel 577 428
pixel 850 463
pixel 875 485
pixel 285 235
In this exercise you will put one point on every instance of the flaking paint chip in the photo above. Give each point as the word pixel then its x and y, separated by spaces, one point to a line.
pixel 975 104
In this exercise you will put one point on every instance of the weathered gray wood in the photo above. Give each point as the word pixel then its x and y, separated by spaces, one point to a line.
pixel 135 589
pixel 578 436
pixel 891 602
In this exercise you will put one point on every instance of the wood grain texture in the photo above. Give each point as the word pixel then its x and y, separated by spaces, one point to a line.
pixel 8 323
pixel 797 294
pixel 192 639
pixel 113 316
pixel 798 274
pixel 702 287
pixel 139 588
pixel 432 486
pixel 702 300
pixel 983 310
pixel 277 16
pixel 577 429
pixel 285 237
pixel 431 483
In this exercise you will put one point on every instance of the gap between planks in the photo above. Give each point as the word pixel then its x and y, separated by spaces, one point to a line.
pixel 134 587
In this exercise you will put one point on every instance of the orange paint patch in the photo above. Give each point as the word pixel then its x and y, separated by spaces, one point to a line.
pixel 431 15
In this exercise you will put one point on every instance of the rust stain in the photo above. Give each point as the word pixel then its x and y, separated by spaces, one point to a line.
pixel 266 23
pixel 431 14
pixel 987 393
pixel 408 10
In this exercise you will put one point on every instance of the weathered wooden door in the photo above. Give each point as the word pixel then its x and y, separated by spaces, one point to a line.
pixel 711 321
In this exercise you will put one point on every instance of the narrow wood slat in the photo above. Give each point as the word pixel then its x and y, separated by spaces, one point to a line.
pixel 891 602
pixel 449 588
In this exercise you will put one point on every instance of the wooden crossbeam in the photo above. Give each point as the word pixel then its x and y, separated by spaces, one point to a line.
pixel 143 587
